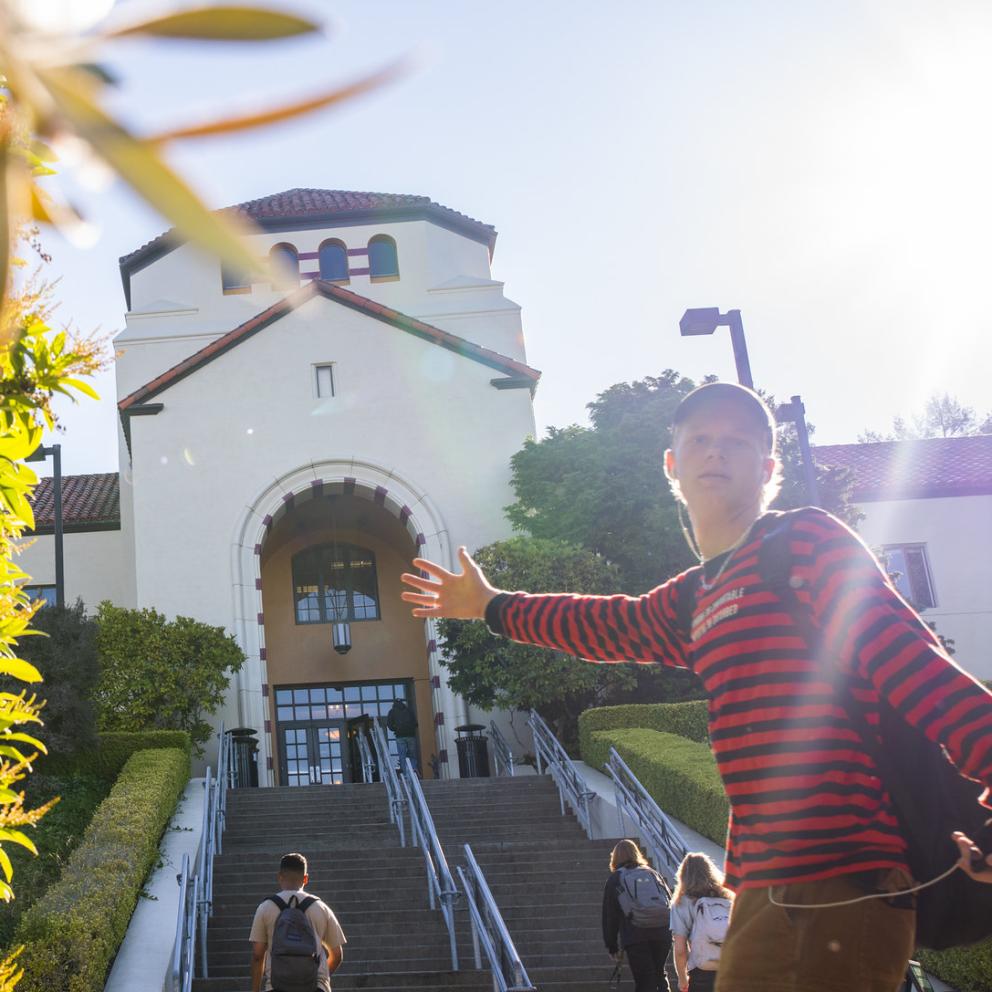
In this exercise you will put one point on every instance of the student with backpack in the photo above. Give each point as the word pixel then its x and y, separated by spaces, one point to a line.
pixel 401 721
pixel 296 941
pixel 636 917
pixel 701 907
pixel 819 686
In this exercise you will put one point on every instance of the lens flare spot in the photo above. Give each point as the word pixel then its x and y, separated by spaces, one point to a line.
pixel 164 459
pixel 188 457
pixel 250 431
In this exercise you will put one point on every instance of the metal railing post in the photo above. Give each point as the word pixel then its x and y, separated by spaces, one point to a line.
pixel 571 786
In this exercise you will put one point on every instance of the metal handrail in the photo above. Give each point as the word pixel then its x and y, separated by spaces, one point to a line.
pixel 502 753
pixel 368 761
pixel 387 774
pixel 489 930
pixel 441 888
pixel 571 785
pixel 196 880
pixel 656 831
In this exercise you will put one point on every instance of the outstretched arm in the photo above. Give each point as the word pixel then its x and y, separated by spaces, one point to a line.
pixel 447 594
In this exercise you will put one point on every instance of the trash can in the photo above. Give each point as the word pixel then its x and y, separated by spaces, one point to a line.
pixel 473 751
pixel 245 751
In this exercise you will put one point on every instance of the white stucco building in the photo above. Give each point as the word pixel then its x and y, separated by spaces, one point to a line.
pixel 928 507
pixel 286 449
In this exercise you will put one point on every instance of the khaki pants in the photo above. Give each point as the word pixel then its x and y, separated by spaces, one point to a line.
pixel 864 947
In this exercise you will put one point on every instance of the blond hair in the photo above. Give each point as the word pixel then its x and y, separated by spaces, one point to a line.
pixel 699 878
pixel 626 853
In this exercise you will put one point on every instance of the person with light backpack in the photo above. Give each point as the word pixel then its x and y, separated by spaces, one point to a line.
pixel 296 940
pixel 701 906
pixel 636 917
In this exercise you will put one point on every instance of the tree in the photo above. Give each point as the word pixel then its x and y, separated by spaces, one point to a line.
pixel 66 657
pixel 942 415
pixel 603 487
pixel 492 673
pixel 160 674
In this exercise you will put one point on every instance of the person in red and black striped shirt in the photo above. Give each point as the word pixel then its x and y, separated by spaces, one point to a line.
pixel 811 822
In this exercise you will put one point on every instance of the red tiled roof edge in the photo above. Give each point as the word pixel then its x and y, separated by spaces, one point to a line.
pixel 87 500
pixel 351 300
pixel 927 468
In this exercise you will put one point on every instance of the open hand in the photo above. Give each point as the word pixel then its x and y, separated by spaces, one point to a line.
pixel 445 594
pixel 968 848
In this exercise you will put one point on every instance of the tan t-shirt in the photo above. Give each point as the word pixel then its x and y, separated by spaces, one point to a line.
pixel 325 926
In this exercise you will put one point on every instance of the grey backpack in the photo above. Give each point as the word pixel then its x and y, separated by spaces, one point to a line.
pixel 294 955
pixel 643 897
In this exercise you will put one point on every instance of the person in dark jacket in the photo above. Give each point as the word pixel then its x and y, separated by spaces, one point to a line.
pixel 646 948
pixel 403 724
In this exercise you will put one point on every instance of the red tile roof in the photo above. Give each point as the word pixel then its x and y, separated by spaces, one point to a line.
pixel 508 366
pixel 933 467
pixel 309 208
pixel 89 502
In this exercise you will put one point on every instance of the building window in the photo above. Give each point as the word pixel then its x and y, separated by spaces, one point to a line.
pixel 285 262
pixel 234 282
pixel 383 263
pixel 909 570
pixel 323 381
pixel 47 593
pixel 335 583
pixel 333 258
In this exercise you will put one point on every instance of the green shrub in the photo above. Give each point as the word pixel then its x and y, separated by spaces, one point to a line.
pixel 968 969
pixel 684 719
pixel 679 774
pixel 72 933
pixel 113 748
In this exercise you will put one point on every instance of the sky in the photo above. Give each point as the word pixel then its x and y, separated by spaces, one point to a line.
pixel 823 167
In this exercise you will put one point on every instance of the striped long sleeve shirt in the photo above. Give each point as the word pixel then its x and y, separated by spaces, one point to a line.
pixel 806 800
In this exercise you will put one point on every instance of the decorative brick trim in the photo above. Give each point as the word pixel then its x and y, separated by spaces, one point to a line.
pixel 317 485
pixel 309 275
pixel 268 763
pixel 265 688
pixel 435 681
pixel 263 653
pixel 379 498
pixel 289 499
pixel 420 540
pixel 359 272
pixel 308 256
pixel 405 512
pixel 268 726
pixel 261 619
pixel 442 756
pixel 349 486
pixel 258 549
pixel 258 584
pixel 267 520
pixel 352 252
pixel 431 646
pixel 439 718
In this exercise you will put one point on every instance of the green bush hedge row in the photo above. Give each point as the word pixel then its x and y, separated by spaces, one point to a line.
pixel 684 719
pixel 680 774
pixel 112 751
pixel 968 969
pixel 72 933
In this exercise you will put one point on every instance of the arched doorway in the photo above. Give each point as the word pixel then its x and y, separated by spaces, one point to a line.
pixel 336 556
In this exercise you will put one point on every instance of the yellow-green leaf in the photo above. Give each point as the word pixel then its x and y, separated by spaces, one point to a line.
pixel 17 837
pixel 8 868
pixel 83 387
pixel 140 165
pixel 19 669
pixel 25 739
pixel 286 111
pixel 221 24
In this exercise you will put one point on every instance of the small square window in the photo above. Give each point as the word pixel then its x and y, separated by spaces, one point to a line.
pixel 323 381
pixel 909 569
pixel 234 282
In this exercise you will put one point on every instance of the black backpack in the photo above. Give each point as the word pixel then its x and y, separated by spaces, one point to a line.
pixel 294 955
pixel 931 797
pixel 402 722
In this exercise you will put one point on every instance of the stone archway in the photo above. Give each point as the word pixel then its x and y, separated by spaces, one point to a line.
pixel 423 522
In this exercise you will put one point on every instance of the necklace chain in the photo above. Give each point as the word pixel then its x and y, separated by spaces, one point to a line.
pixel 708 584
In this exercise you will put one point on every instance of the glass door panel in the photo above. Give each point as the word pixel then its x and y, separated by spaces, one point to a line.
pixel 296 755
pixel 330 766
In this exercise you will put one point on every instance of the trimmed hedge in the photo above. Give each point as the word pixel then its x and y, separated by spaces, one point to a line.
pixel 112 751
pixel 968 969
pixel 680 774
pixel 72 933
pixel 684 719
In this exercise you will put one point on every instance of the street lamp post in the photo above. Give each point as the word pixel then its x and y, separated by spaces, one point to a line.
pixel 705 320
pixel 39 455
pixel 794 412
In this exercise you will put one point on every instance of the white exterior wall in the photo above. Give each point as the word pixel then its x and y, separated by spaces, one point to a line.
pixel 95 564
pixel 244 430
pixel 957 532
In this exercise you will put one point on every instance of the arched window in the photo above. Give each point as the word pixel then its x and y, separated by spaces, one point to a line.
pixel 333 258
pixel 383 263
pixel 334 583
pixel 285 263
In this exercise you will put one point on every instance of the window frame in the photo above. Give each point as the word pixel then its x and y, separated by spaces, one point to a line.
pixel 289 284
pixel 384 239
pixel 41 590
pixel 317 366
pixel 334 243
pixel 929 600
pixel 234 283
pixel 346 555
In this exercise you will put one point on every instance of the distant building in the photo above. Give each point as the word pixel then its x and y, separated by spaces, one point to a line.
pixel 287 448
pixel 928 506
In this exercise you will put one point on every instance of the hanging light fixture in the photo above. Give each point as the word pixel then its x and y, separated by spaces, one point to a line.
pixel 340 628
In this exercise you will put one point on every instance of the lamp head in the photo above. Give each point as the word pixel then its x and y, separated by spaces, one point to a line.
pixel 701 320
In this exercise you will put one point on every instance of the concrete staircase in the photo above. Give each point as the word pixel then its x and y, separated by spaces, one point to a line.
pixel 545 875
